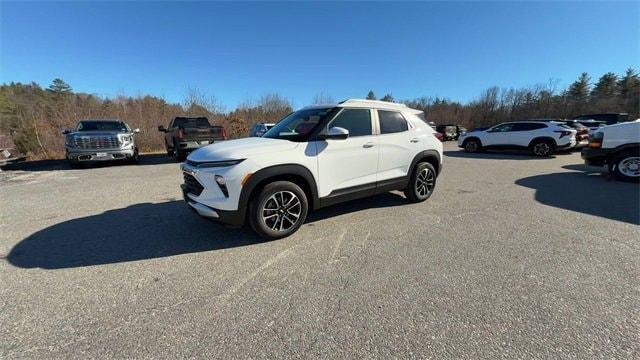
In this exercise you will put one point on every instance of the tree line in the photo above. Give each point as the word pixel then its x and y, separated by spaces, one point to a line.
pixel 32 116
pixel 610 93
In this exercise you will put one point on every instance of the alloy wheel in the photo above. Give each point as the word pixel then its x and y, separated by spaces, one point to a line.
pixel 541 149
pixel 630 166
pixel 425 182
pixel 282 211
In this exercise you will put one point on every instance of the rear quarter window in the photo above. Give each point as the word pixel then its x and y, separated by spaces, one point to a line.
pixel 392 122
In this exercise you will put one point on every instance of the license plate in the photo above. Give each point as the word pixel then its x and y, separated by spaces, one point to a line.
pixel 204 142
pixel 101 154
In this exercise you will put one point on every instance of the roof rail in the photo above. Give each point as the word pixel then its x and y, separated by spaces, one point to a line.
pixel 380 103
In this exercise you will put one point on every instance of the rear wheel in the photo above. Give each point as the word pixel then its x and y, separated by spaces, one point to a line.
pixel 422 183
pixel 543 148
pixel 279 210
pixel 472 145
pixel 626 166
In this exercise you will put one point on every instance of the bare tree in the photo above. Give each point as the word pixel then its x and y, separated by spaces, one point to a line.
pixel 322 98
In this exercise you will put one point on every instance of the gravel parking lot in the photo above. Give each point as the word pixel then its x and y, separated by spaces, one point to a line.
pixel 512 256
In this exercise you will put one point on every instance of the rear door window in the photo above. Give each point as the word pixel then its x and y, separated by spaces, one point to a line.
pixel 392 122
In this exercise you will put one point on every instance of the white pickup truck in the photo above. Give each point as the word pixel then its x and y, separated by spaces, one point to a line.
pixel 618 147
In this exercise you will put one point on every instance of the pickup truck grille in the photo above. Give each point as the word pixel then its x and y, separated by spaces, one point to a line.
pixel 96 142
pixel 192 185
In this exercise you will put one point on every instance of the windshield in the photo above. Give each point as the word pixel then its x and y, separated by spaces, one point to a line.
pixel 101 126
pixel 299 124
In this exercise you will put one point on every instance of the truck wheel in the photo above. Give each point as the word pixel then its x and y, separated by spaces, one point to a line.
pixel 626 166
pixel 278 210
pixel 542 148
pixel 135 158
pixel 422 183
pixel 179 155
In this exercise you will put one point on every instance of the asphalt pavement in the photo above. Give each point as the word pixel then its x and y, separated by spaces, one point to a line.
pixel 512 257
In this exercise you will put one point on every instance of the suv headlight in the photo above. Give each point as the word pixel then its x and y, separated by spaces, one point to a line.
pixel 70 141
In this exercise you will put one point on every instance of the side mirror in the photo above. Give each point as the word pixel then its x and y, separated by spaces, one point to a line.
pixel 337 133
pixel 161 128
pixel 136 130
pixel 65 131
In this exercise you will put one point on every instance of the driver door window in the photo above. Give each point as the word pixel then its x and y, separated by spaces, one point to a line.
pixel 357 121
pixel 499 135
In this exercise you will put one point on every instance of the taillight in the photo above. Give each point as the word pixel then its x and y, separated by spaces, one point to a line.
pixel 180 134
pixel 595 140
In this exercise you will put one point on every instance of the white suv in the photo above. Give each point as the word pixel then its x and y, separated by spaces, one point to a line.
pixel 314 157
pixel 541 138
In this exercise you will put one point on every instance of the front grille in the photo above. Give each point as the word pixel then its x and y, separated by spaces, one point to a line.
pixel 192 185
pixel 96 142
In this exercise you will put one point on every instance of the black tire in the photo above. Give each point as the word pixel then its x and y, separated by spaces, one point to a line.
pixel 542 148
pixel 179 155
pixel 268 216
pixel 421 183
pixel 625 166
pixel 472 145
pixel 135 158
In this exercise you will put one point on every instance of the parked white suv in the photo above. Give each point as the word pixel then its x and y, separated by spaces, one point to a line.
pixel 541 138
pixel 618 147
pixel 312 158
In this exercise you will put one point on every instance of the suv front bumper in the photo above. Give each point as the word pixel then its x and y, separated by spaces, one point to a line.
pixel 99 154
pixel 228 217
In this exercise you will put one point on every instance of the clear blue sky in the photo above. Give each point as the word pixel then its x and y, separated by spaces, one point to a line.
pixel 237 51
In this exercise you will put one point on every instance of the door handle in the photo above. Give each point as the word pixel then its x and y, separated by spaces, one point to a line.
pixel 368 145
pixel 414 140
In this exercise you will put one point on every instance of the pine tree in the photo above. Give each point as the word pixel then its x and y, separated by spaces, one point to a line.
pixel 371 95
pixel 606 87
pixel 59 87
pixel 388 97
pixel 629 86
pixel 579 90
pixel 629 83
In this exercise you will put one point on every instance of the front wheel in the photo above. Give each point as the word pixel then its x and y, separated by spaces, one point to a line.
pixel 279 210
pixel 135 158
pixel 626 166
pixel 472 145
pixel 422 183
pixel 179 155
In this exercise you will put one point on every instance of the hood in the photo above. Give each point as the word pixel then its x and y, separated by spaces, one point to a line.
pixel 97 133
pixel 240 149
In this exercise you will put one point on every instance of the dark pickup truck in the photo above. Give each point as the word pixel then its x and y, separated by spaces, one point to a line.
pixel 186 134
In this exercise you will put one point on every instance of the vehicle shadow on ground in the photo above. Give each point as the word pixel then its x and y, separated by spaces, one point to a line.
pixel 589 190
pixel 147 231
pixel 49 165
pixel 493 155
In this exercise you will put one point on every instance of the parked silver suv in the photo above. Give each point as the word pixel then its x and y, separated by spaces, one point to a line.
pixel 100 140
